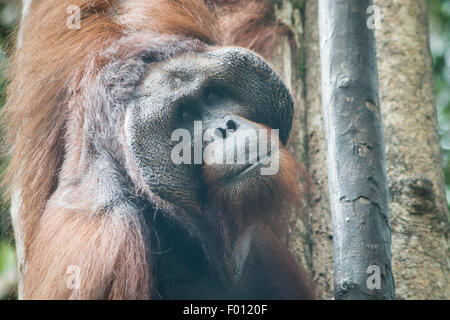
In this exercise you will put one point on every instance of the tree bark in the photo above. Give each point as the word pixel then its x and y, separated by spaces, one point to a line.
pixel 416 182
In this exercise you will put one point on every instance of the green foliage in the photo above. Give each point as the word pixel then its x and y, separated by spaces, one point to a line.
pixel 440 48
pixel 7 254
pixel 7 257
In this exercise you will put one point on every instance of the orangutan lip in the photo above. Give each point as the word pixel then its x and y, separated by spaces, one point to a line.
pixel 250 168
pixel 253 166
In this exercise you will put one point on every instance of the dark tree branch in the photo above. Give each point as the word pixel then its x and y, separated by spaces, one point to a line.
pixel 356 156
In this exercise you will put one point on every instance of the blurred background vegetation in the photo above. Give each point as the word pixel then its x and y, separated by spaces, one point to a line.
pixel 440 47
pixel 9 12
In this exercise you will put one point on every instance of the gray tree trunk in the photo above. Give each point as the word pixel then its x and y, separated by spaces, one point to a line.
pixel 417 200
pixel 355 152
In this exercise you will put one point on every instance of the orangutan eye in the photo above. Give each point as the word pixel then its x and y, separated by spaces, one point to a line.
pixel 211 94
pixel 185 114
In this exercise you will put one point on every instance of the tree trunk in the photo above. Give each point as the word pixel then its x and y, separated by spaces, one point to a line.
pixel 416 182
pixel 355 152
pixel 417 199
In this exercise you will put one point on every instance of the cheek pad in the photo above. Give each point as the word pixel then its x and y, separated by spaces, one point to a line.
pixel 148 141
